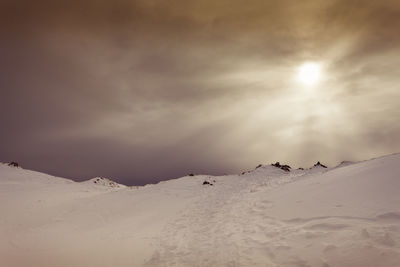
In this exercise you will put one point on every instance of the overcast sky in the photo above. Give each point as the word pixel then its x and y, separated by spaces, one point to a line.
pixel 147 90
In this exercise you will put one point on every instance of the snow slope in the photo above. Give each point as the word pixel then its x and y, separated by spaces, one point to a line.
pixel 345 216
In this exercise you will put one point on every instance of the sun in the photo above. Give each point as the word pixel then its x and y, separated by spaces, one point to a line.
pixel 309 73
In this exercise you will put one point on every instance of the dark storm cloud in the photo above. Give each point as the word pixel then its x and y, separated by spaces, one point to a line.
pixel 146 90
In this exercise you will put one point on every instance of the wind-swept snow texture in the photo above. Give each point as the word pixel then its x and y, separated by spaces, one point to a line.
pixel 348 216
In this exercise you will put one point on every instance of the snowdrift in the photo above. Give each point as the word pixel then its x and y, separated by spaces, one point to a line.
pixel 347 216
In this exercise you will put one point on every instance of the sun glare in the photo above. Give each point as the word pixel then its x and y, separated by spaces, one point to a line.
pixel 309 73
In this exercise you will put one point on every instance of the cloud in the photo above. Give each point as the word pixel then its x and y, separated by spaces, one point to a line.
pixel 147 90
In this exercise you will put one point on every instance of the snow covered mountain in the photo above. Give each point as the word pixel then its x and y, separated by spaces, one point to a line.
pixel 347 216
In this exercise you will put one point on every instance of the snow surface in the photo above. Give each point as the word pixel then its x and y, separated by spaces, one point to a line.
pixel 347 216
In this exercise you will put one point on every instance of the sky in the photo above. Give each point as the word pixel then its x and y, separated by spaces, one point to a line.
pixel 147 90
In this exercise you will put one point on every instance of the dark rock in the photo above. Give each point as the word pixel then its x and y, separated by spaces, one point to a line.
pixel 286 168
pixel 283 167
pixel 319 164
pixel 207 182
pixel 13 164
pixel 191 174
pixel 277 164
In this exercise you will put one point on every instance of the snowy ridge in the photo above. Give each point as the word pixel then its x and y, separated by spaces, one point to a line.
pixel 18 174
pixel 347 216
pixel 104 182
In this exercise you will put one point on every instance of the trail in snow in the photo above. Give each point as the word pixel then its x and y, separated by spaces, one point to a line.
pixel 216 231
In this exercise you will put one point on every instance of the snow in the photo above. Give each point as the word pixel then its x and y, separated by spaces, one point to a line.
pixel 323 217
